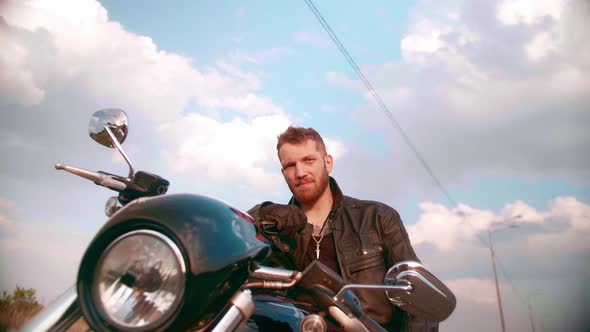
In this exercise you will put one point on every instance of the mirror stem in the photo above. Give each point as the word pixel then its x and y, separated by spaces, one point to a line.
pixel 118 146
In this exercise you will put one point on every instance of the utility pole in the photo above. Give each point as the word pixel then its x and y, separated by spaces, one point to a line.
pixel 531 317
pixel 496 280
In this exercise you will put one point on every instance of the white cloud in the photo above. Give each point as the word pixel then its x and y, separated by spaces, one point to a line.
pixel 429 38
pixel 335 148
pixel 120 68
pixel 110 63
pixel 453 46
pixel 426 38
pixel 540 46
pixel 471 84
pixel 521 212
pixel 473 290
pixel 572 211
pixel 17 81
pixel 230 150
pixel 446 229
pixel 454 229
pixel 224 150
pixel 50 48
pixel 573 237
pixel 252 81
pixel 564 242
pixel 250 104
pixel 547 248
pixel 529 11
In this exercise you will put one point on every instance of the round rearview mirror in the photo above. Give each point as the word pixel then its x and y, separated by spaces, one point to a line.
pixel 115 120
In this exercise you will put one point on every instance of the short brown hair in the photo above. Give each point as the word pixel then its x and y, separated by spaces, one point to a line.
pixel 300 135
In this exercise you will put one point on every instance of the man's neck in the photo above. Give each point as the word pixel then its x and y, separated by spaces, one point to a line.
pixel 318 211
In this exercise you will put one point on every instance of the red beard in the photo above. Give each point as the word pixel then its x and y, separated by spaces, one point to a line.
pixel 311 193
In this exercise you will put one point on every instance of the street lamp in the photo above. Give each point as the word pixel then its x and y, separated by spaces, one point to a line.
pixel 531 318
pixel 493 254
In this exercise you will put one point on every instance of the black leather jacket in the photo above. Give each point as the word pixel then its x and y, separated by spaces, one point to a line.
pixel 369 238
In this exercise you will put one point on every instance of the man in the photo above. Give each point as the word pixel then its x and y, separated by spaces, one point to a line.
pixel 358 239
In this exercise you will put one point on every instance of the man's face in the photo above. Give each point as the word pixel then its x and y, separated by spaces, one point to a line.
pixel 305 169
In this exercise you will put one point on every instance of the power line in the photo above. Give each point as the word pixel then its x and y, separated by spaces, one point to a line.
pixel 378 99
pixel 392 119
pixel 384 108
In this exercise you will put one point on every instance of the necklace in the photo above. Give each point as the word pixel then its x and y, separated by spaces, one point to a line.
pixel 317 242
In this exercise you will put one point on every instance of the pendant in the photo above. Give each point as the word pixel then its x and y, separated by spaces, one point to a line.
pixel 317 250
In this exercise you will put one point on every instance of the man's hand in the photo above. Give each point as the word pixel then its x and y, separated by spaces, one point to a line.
pixel 286 220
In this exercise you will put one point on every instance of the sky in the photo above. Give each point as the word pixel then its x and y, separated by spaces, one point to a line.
pixel 494 95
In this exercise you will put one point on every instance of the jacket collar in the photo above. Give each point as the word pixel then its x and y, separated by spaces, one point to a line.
pixel 337 195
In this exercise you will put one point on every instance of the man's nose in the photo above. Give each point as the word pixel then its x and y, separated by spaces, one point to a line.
pixel 299 170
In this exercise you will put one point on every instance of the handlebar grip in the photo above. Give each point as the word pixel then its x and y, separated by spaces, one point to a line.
pixel 98 178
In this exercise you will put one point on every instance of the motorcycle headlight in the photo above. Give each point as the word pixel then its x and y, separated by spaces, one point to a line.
pixel 139 280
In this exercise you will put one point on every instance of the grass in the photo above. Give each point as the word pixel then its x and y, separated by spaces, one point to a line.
pixel 14 317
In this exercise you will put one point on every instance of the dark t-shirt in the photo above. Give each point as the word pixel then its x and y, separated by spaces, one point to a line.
pixel 328 257
pixel 327 252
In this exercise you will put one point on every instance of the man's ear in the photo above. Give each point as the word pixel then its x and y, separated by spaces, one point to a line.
pixel 329 162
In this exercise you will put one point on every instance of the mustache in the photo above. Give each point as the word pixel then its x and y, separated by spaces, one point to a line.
pixel 304 181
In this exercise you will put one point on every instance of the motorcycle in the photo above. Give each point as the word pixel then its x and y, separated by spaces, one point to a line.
pixel 171 262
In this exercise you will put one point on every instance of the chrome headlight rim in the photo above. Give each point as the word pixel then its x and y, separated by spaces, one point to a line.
pixel 90 302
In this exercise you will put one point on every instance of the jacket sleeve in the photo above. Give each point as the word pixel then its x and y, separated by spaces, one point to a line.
pixel 397 247
pixel 395 239
pixel 277 256
pixel 254 212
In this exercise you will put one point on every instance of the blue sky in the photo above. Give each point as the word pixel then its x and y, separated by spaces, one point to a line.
pixel 371 33
pixel 493 94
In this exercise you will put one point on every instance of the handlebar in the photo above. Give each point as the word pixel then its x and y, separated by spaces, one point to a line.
pixel 143 184
pixel 100 179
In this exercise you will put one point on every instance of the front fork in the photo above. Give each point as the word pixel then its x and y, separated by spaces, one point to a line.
pixel 240 310
pixel 58 316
